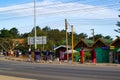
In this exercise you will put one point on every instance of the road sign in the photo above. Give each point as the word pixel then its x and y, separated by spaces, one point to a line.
pixel 31 40
pixel 105 47
pixel 39 40
pixel 112 47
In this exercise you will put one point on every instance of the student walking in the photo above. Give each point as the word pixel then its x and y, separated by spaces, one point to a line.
pixel 37 55
pixel 29 54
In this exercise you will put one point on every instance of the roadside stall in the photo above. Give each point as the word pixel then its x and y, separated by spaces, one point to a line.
pixel 115 51
pixel 101 47
pixel 60 52
pixel 84 48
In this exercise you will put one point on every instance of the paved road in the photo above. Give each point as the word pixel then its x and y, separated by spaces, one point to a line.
pixel 37 71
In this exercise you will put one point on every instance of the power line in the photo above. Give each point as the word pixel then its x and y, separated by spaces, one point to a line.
pixel 59 21
pixel 47 5
pixel 53 12
pixel 78 9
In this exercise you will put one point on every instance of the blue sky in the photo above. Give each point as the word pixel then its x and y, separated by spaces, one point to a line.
pixel 100 15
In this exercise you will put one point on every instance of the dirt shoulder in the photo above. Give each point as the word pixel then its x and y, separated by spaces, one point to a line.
pixel 3 77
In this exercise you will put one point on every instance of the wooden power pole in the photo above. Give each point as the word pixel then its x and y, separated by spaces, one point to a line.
pixel 66 28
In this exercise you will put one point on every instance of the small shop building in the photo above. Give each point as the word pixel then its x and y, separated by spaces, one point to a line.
pixel 60 52
pixel 83 43
pixel 115 51
pixel 84 48
pixel 101 47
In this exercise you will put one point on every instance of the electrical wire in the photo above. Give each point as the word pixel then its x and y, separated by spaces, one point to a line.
pixel 54 12
pixel 47 5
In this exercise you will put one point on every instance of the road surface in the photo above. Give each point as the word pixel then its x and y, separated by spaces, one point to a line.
pixel 37 71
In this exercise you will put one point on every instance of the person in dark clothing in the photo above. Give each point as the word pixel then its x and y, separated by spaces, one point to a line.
pixel 48 55
pixel 52 55
pixel 44 55
pixel 119 58
pixel 29 55
pixel 17 53
pixel 37 55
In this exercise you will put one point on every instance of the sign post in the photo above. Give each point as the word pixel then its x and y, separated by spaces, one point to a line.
pixel 39 40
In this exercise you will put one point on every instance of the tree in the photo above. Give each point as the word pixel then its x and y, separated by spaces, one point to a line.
pixel 39 32
pixel 14 32
pixel 8 44
pixel 25 35
pixel 83 35
pixel 118 24
pixel 46 29
pixel 58 37
pixel 118 29
pixel 108 37
pixel 97 36
pixel 4 33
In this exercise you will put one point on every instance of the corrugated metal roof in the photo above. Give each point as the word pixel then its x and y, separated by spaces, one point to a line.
pixel 61 46
pixel 105 42
pixel 84 43
pixel 116 43
pixel 88 42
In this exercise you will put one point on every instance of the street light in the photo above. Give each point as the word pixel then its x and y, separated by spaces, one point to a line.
pixel 66 27
pixel 35 22
pixel 93 34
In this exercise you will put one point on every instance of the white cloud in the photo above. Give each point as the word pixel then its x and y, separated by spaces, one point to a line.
pixel 62 9
pixel 50 13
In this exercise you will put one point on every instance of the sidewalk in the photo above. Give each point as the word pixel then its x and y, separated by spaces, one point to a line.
pixel 23 59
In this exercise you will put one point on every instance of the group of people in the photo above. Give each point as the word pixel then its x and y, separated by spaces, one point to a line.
pixel 15 53
pixel 43 55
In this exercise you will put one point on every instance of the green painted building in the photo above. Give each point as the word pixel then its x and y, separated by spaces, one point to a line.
pixel 86 44
pixel 107 51
pixel 101 47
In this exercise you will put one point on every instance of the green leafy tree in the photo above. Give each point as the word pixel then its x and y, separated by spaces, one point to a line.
pixel 118 29
pixel 118 24
pixel 25 35
pixel 8 44
pixel 56 36
pixel 14 32
pixel 82 35
pixel 39 32
pixel 46 29
pixel 4 33
pixel 108 37
pixel 97 36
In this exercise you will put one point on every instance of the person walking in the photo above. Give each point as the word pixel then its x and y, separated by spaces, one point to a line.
pixel 37 55
pixel 44 55
pixel 29 54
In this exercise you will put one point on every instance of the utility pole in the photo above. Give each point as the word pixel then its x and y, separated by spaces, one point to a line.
pixel 35 23
pixel 66 28
pixel 93 35
pixel 72 43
